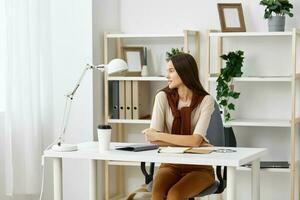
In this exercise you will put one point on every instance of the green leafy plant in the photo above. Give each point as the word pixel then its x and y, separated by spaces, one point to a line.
pixel 225 89
pixel 172 53
pixel 279 7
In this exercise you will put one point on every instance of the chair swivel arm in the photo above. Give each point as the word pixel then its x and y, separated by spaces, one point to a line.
pixel 148 176
pixel 222 179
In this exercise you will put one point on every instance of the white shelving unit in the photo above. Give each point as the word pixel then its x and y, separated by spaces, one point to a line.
pixel 128 121
pixel 214 33
pixel 138 78
pixel 120 39
pixel 259 79
pixel 291 79
pixel 258 123
pixel 124 35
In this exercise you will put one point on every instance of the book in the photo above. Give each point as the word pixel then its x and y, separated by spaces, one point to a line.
pixel 138 147
pixel 271 164
pixel 180 150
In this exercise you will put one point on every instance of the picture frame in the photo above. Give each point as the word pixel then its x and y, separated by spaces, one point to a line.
pixel 231 17
pixel 134 56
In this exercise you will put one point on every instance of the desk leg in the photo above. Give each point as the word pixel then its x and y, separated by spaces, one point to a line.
pixel 255 180
pixel 231 183
pixel 106 175
pixel 57 178
pixel 93 180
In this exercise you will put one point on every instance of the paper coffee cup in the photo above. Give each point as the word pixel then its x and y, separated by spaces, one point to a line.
pixel 104 137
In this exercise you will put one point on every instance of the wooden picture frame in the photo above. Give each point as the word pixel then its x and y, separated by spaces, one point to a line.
pixel 231 17
pixel 134 56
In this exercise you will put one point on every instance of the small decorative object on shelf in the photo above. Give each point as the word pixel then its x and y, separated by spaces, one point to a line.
pixel 280 8
pixel 231 17
pixel 145 67
pixel 173 52
pixel 225 88
pixel 144 71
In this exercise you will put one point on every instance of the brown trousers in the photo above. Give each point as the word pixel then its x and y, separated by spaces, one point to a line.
pixel 178 182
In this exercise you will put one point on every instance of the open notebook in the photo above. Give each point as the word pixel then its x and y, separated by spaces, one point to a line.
pixel 179 150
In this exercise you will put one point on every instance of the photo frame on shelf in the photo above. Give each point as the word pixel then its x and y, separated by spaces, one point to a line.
pixel 134 56
pixel 231 17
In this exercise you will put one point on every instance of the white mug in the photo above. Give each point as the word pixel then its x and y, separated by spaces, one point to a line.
pixel 104 137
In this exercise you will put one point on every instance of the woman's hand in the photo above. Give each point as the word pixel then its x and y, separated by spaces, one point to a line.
pixel 151 135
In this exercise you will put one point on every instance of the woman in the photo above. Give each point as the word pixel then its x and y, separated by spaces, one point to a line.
pixel 181 115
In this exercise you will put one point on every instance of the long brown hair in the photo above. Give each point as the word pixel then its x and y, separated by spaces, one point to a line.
pixel 186 67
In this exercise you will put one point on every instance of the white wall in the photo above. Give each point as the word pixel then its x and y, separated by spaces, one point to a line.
pixel 172 16
pixel 72 48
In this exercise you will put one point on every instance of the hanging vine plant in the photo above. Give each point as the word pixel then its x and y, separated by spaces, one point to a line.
pixel 225 89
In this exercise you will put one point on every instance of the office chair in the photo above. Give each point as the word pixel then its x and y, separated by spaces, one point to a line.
pixel 216 137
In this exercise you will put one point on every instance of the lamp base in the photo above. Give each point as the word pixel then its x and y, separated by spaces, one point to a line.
pixel 65 147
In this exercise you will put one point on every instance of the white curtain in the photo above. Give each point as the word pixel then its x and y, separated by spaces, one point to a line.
pixel 24 55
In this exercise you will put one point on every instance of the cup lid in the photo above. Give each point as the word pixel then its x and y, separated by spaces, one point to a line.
pixel 104 126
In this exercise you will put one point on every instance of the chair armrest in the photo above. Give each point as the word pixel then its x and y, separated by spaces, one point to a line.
pixel 148 176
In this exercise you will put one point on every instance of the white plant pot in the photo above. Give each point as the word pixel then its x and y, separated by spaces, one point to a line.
pixel 276 23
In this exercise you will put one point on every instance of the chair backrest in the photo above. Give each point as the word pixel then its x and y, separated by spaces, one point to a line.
pixel 215 130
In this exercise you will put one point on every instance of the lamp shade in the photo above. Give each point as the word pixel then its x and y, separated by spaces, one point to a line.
pixel 116 65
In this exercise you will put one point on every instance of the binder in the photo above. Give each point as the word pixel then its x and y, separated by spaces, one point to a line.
pixel 121 99
pixel 114 99
pixel 128 100
pixel 140 99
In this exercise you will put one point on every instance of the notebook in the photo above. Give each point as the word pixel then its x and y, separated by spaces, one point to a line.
pixel 179 150
pixel 138 147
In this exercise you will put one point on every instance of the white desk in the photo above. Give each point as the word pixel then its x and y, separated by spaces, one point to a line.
pixel 231 160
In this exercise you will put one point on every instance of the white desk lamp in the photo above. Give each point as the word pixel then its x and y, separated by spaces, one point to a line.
pixel 115 65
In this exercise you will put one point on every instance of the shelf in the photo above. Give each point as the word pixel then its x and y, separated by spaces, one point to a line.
pixel 137 164
pixel 233 122
pixel 128 35
pixel 137 78
pixel 257 79
pixel 279 170
pixel 247 34
pixel 129 121
pixel 258 123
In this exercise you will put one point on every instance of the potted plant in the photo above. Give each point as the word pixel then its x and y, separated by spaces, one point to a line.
pixel 172 53
pixel 225 89
pixel 279 8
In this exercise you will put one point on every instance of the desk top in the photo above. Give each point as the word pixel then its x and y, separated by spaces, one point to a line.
pixel 240 157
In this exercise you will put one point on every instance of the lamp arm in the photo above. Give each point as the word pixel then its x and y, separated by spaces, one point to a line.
pixel 69 100
pixel 71 94
pixel 65 120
